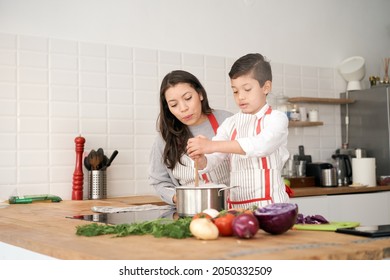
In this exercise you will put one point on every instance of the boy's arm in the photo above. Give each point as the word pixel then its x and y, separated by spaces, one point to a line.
pixel 272 136
pixel 199 146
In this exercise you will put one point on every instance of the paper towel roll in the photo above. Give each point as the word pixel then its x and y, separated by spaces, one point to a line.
pixel 363 171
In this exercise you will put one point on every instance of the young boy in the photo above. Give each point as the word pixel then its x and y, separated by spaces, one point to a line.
pixel 255 139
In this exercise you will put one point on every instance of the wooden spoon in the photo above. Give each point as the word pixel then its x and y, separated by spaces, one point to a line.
pixel 100 156
pixel 196 174
pixel 93 160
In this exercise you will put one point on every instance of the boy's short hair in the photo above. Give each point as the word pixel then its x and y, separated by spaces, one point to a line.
pixel 255 64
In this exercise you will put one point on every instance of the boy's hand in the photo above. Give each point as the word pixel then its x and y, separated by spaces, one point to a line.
pixel 197 146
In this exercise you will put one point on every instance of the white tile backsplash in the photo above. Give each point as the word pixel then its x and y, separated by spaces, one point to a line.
pixel 64 78
pixel 64 93
pixel 90 79
pixel 33 158
pixel 119 66
pixel 7 91
pixel 93 64
pixel 7 58
pixel 33 108
pixel 32 125
pixel 8 125
pixel 29 141
pixel 172 58
pixel 145 55
pixel 31 43
pixel 7 74
pixel 53 90
pixel 119 52
pixel 58 46
pixel 8 108
pixel 92 49
pixel 8 158
pixel 8 41
pixel 119 81
pixel 33 92
pixel 32 59
pixel 196 60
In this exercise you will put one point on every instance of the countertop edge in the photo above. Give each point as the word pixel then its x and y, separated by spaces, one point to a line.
pixel 316 191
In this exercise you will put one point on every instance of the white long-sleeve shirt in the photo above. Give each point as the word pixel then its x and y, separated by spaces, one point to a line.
pixel 273 136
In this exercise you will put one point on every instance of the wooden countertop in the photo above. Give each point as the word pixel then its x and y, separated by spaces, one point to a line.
pixel 43 228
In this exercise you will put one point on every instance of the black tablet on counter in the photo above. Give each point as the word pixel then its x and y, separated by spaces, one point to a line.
pixel 367 231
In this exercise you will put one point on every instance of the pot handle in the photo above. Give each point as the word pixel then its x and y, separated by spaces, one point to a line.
pixel 226 188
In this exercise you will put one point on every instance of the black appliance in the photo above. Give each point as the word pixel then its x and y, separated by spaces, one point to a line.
pixel 315 169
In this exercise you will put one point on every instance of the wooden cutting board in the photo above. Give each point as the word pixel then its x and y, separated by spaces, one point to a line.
pixel 332 226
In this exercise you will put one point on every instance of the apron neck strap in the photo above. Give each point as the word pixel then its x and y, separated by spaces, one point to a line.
pixel 213 121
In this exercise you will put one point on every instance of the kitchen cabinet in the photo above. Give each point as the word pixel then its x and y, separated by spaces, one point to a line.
pixel 317 100
pixel 366 208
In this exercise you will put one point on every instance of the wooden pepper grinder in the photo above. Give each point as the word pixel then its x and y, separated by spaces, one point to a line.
pixel 78 175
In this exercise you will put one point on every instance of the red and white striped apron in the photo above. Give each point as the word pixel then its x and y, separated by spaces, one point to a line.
pixel 184 173
pixel 259 180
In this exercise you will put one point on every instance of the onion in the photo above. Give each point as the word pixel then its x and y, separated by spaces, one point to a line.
pixel 245 226
pixel 212 212
pixel 204 229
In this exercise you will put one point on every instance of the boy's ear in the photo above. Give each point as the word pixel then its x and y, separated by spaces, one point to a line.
pixel 267 87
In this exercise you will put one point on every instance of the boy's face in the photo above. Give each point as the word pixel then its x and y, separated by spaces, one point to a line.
pixel 248 94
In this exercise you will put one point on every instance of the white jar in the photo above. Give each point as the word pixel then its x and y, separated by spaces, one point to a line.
pixel 303 113
pixel 313 115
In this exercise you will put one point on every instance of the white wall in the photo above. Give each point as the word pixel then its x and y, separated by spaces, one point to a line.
pixel 318 33
pixel 94 67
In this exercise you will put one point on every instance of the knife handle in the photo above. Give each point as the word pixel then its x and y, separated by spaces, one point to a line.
pixel 301 150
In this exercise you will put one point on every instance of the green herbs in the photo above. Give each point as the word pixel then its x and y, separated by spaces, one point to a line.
pixel 158 228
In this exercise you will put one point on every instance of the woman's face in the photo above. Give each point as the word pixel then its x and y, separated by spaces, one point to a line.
pixel 249 96
pixel 184 102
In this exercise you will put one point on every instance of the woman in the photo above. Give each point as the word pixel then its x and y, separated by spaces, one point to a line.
pixel 184 113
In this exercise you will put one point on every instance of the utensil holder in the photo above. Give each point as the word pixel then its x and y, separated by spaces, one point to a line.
pixel 97 184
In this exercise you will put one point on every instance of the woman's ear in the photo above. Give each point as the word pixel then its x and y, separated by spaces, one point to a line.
pixel 201 97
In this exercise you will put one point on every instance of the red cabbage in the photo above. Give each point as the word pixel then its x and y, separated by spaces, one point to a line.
pixel 277 218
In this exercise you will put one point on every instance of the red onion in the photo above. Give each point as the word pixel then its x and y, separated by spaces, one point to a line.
pixel 245 226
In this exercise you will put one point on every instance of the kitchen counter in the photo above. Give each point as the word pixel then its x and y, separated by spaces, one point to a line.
pixel 42 227
pixel 315 191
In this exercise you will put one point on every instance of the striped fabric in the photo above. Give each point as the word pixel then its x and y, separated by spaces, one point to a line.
pixel 259 180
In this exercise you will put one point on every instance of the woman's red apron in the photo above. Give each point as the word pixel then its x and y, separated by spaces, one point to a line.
pixel 185 172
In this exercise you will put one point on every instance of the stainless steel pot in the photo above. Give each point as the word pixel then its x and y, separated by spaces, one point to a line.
pixel 191 200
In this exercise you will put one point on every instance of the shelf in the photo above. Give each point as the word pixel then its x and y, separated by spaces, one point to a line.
pixel 321 100
pixel 303 124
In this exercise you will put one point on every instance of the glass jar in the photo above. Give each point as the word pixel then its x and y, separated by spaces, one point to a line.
pixel 294 113
pixel 283 105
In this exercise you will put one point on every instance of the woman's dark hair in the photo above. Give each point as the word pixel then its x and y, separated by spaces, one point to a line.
pixel 255 64
pixel 172 130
